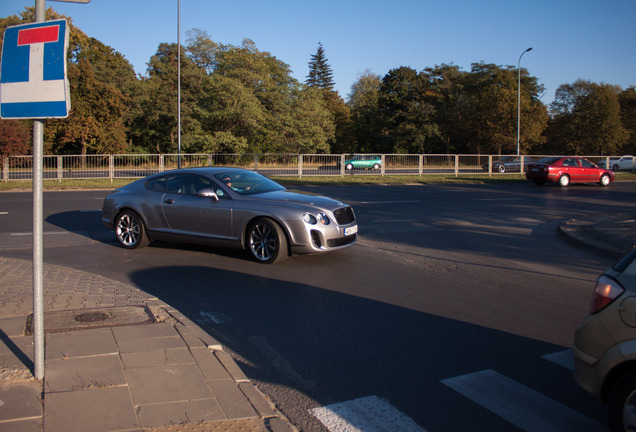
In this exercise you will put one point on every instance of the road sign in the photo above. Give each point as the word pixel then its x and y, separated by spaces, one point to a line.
pixel 33 81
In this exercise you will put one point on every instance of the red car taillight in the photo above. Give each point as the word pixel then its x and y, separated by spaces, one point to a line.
pixel 606 291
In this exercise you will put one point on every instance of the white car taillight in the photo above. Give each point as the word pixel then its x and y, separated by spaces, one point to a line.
pixel 606 291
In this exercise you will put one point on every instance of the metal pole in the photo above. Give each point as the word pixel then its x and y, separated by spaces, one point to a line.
pixel 38 291
pixel 179 83
pixel 519 97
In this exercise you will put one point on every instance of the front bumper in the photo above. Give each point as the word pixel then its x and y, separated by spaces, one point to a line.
pixel 310 239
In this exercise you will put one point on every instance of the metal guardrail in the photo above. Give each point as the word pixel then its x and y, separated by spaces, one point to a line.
pixel 67 167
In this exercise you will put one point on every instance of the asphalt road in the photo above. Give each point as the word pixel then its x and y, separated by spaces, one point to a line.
pixel 457 306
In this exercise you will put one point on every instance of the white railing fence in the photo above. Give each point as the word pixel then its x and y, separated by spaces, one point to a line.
pixel 112 167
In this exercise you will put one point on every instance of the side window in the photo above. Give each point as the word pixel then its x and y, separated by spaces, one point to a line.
pixel 586 163
pixel 188 184
pixel 570 163
pixel 157 184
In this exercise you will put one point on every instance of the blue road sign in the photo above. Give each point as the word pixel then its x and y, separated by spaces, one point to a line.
pixel 33 81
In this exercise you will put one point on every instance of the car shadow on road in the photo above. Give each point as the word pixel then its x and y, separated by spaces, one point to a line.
pixel 329 345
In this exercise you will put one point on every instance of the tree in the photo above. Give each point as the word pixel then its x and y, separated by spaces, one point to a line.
pixel 309 127
pixel 407 113
pixel 251 100
pixel 15 138
pixel 155 125
pixel 627 100
pixel 95 123
pixel 366 118
pixel 320 74
pixel 491 110
pixel 445 86
pixel 586 119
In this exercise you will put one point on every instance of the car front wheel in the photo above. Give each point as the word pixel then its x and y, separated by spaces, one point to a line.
pixel 376 166
pixel 604 180
pixel 349 167
pixel 266 241
pixel 502 168
pixel 621 405
pixel 130 230
pixel 564 180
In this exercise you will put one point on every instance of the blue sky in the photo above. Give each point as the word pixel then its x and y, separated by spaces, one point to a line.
pixel 586 39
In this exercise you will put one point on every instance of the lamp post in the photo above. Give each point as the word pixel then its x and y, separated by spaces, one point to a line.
pixel 178 83
pixel 519 97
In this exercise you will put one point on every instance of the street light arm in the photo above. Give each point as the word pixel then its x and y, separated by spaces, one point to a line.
pixel 519 62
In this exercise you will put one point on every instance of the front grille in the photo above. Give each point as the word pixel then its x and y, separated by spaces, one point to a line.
pixel 344 215
pixel 341 241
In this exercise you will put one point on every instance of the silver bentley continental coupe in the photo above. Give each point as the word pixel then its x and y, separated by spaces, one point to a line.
pixel 228 207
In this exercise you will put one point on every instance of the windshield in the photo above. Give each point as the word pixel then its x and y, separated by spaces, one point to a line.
pixel 248 182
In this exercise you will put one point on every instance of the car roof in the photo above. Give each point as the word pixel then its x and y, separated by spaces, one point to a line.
pixel 200 170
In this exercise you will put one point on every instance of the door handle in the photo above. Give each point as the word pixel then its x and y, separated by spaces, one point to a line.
pixel 169 201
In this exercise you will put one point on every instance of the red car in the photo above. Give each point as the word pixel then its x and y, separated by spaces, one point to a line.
pixel 564 170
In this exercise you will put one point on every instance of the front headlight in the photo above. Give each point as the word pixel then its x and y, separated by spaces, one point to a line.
pixel 310 219
pixel 323 219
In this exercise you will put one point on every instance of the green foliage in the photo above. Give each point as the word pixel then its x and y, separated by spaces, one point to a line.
pixel 320 74
pixel 586 119
pixel 15 138
pixel 237 99
pixel 627 100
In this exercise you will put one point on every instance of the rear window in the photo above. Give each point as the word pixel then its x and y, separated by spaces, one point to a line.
pixel 548 160
pixel 157 184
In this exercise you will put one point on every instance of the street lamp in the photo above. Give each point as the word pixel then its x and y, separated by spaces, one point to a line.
pixel 178 83
pixel 519 96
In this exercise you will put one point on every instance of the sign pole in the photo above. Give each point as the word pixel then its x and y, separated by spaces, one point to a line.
pixel 38 290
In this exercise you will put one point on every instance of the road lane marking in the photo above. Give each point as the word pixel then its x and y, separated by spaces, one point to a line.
pixel 367 414
pixel 562 358
pixel 207 317
pixel 4 213
pixel 520 405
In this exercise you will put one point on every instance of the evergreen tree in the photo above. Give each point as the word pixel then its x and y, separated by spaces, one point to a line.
pixel 320 74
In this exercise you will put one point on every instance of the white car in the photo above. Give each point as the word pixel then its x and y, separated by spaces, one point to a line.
pixel 626 162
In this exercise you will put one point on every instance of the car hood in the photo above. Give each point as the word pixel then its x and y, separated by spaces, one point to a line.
pixel 286 197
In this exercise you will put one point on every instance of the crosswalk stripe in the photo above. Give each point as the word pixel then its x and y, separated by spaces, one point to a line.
pixel 367 414
pixel 562 358
pixel 520 405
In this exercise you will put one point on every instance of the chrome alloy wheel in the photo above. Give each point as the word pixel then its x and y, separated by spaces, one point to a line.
pixel 130 230
pixel 267 242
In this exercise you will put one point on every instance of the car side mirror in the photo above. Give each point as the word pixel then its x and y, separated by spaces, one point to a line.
pixel 208 193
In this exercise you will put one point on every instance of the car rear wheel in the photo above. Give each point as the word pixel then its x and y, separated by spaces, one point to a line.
pixel 349 167
pixel 502 168
pixel 130 230
pixel 621 405
pixel 564 180
pixel 266 241
pixel 604 180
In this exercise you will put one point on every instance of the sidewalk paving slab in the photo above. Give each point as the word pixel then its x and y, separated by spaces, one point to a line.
pixel 159 376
